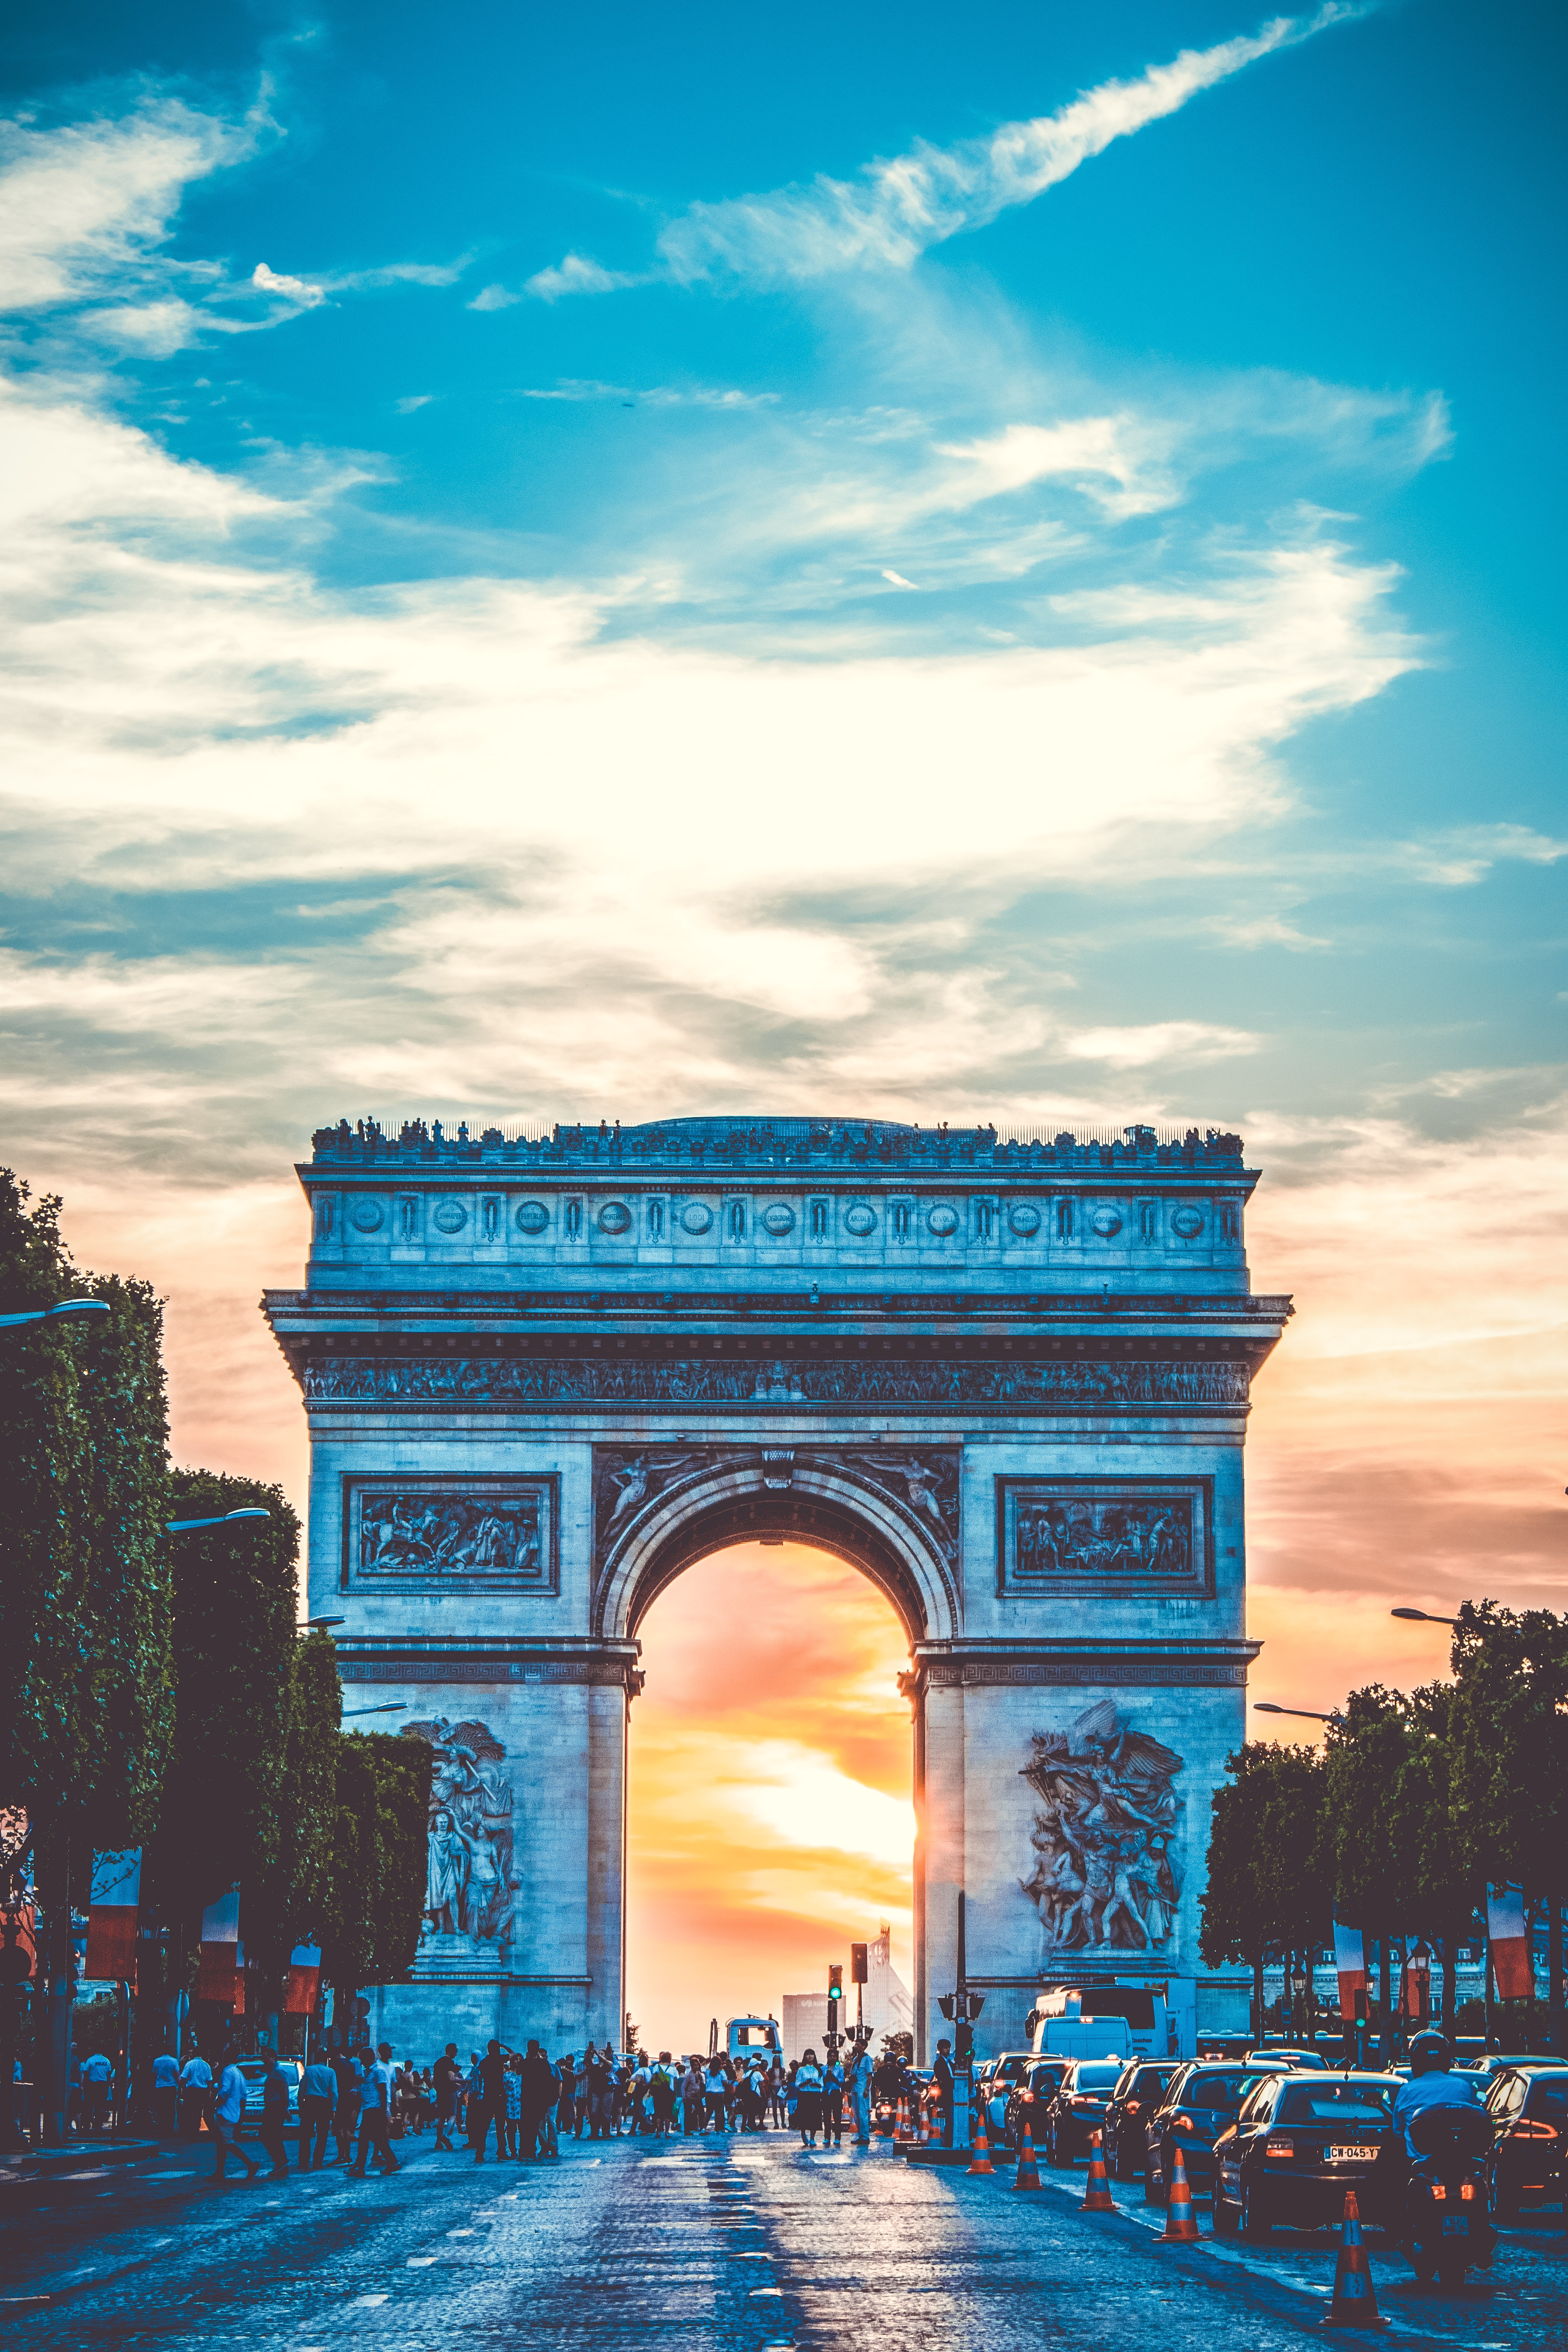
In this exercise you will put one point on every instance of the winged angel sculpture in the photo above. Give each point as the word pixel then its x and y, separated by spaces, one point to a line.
pixel 1104 1878
pixel 469 1888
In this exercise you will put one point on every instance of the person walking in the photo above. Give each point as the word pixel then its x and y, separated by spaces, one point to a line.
pixel 97 2075
pixel 228 2107
pixel 715 2094
pixel 832 2101
pixel 566 2116
pixel 860 2074
pixel 511 2091
pixel 346 2075
pixel 445 2080
pixel 808 2099
pixel 537 2084
pixel 942 2084
pixel 490 2100
pixel 195 2095
pixel 165 2094
pixel 375 2115
pixel 474 2103
pixel 318 2097
pixel 274 2113
pixel 776 2093
pixel 663 2089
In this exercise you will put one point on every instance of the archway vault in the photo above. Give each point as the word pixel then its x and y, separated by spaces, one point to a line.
pixel 892 1514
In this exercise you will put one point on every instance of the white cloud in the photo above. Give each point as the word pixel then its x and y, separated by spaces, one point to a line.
pixel 1161 1041
pixel 493 297
pixel 804 1798
pixel 901 206
pixel 576 275
pixel 82 206
pixel 289 289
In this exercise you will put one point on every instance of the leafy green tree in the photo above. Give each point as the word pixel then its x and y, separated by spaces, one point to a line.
pixel 376 1894
pixel 1437 1886
pixel 1266 1894
pixel 1508 1748
pixel 86 1698
pixel 225 1795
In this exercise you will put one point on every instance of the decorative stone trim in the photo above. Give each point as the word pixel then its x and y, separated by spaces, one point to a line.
pixel 1012 1386
pixel 597 1673
pixel 1112 1672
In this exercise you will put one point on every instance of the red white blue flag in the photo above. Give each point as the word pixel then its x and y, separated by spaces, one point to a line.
pixel 220 1950
pixel 304 1981
pixel 112 1915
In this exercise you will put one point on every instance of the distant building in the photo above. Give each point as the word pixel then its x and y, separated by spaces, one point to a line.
pixel 888 2006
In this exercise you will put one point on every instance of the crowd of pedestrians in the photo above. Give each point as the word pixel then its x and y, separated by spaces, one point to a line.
pixel 362 2102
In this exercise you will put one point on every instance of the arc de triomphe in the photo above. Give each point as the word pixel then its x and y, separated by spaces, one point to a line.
pixel 1008 1380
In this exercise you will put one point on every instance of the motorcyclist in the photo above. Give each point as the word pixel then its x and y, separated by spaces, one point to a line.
pixel 1430 2085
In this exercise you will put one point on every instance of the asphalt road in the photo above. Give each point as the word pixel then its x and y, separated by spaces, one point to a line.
pixel 740 2243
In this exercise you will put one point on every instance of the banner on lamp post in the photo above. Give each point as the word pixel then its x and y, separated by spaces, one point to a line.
pixel 220 1950
pixel 304 1981
pixel 113 1905
pixel 1510 1940
pixel 1350 1967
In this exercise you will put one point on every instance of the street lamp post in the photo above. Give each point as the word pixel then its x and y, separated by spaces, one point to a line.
pixel 397 1706
pixel 1422 1617
pixel 223 1519
pixel 51 1314
pixel 1311 1713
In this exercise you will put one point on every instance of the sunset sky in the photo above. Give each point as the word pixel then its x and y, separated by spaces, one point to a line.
pixel 1002 566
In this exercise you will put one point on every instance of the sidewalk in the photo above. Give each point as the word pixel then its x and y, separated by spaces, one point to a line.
pixel 21 2163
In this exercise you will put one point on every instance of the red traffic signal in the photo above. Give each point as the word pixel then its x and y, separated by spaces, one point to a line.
pixel 859 1972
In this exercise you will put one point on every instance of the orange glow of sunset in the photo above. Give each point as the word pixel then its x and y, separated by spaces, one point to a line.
pixel 770 1819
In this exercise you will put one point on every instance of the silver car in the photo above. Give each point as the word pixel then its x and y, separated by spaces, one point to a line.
pixel 254 2074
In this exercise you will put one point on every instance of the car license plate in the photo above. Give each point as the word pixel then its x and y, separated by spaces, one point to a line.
pixel 1456 2226
pixel 1352 2154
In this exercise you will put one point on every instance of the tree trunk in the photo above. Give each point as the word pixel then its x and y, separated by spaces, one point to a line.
pixel 55 1991
pixel 1555 1974
pixel 1385 2039
pixel 1258 2000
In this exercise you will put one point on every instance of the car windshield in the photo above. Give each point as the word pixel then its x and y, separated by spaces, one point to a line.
pixel 1149 2079
pixel 1332 2102
pixel 1547 2099
pixel 1098 2074
pixel 1223 2093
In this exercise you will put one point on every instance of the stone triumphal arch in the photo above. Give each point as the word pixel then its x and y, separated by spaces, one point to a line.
pixel 1007 1379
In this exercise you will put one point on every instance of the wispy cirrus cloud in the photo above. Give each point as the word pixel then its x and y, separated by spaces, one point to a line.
pixel 900 206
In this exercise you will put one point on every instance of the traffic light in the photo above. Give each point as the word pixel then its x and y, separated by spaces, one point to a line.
pixel 835 1983
pixel 859 1971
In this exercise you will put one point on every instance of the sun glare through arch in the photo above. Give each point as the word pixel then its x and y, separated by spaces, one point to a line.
pixel 770 1816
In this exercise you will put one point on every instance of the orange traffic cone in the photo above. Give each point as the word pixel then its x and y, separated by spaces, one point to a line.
pixel 1028 2170
pixel 1096 2197
pixel 901 2127
pixel 922 2137
pixel 1180 2223
pixel 1355 2302
pixel 980 2159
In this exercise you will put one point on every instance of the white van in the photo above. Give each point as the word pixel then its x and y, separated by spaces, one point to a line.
pixel 1101 2021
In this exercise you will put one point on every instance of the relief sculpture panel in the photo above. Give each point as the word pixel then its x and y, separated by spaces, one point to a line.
pixel 1104 1536
pixel 472 1887
pixel 1106 1837
pixel 422 1535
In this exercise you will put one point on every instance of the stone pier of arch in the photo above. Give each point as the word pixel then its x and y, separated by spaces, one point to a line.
pixel 1009 1380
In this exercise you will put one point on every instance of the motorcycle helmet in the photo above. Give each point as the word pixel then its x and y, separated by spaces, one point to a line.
pixel 1430 2054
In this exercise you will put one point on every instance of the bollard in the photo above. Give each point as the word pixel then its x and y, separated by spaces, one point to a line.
pixel 1096 2197
pixel 1354 2303
pixel 1180 2221
pixel 1028 2175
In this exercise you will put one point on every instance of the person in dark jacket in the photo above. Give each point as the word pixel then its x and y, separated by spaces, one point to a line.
pixel 538 2078
pixel 491 2101
pixel 808 2099
pixel 275 2114
pixel 318 2097
pixel 942 2081
pixel 446 2077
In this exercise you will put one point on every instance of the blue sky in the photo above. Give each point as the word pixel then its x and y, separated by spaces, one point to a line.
pixel 607 564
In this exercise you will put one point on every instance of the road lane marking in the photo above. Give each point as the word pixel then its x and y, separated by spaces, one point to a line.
pixel 366 2301
pixel 420 2261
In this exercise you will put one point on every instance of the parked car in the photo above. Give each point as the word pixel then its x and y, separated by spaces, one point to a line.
pixel 1140 2087
pixel 1034 2090
pixel 1300 2061
pixel 992 2084
pixel 1527 2105
pixel 1296 2145
pixel 1078 2109
pixel 1203 2101
pixel 1494 2062
pixel 254 2074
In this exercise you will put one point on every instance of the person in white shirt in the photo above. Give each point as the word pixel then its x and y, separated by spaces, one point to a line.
pixel 96 2075
pixel 166 2093
pixel 375 2115
pixel 228 2109
pixel 861 2095
pixel 195 2095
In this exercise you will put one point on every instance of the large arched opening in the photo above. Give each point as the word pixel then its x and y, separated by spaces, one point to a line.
pixel 775 1781
pixel 770 1814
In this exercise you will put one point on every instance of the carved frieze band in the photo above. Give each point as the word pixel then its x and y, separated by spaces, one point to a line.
pixel 888 1380
pixel 967 1673
pixel 1074 1536
pixel 922 1485
pixel 598 1673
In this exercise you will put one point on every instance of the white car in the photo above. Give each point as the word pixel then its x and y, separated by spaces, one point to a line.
pixel 255 2075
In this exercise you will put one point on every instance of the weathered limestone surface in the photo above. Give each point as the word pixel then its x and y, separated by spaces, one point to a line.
pixel 1007 1380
